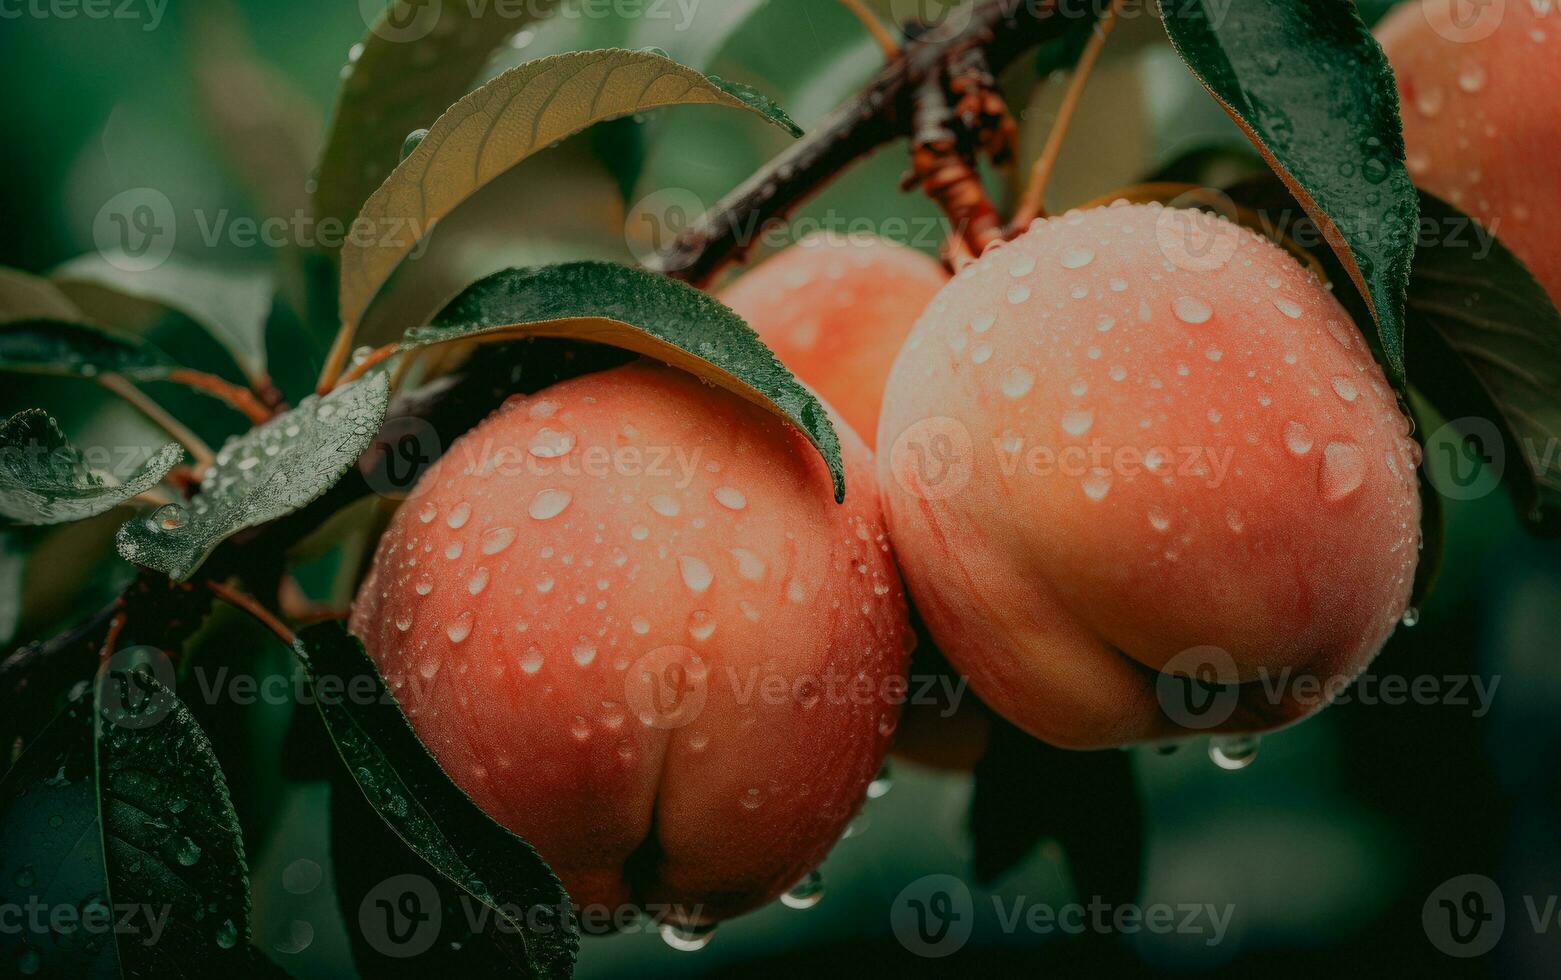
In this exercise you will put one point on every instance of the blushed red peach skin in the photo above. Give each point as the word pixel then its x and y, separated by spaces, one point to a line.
pixel 1131 432
pixel 627 662
pixel 836 309
pixel 1481 93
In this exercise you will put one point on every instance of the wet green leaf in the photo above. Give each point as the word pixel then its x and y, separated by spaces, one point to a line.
pixel 268 472
pixel 1314 93
pixel 496 127
pixel 643 312
pixel 77 350
pixel 439 822
pixel 46 480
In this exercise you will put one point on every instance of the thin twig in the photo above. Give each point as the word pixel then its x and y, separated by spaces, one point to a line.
pixel 374 357
pixel 204 457
pixel 336 360
pixel 239 600
pixel 880 33
pixel 111 639
pixel 240 398
pixel 1033 204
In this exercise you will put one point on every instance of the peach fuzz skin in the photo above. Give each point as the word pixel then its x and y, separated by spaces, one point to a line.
pixel 836 309
pixel 1481 101
pixel 1131 432
pixel 627 662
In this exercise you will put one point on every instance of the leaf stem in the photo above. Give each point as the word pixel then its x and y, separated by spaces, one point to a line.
pixel 336 360
pixel 1033 204
pixel 875 27
pixel 239 398
pixel 245 603
pixel 376 356
pixel 204 457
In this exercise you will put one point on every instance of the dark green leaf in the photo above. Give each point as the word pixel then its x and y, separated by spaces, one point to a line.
pixel 495 128
pixel 15 546
pixel 46 480
pixel 415 61
pixel 642 312
pixel 268 472
pixel 77 350
pixel 118 814
pixel 1313 91
pixel 439 822
pixel 1491 340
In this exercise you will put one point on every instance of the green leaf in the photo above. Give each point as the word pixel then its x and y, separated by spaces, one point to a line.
pixel 1314 93
pixel 56 347
pixel 1492 352
pixel 46 480
pixel 268 472
pixel 439 822
pixel 24 297
pixel 642 312
pixel 15 547
pixel 417 58
pixel 232 305
pixel 118 813
pixel 502 123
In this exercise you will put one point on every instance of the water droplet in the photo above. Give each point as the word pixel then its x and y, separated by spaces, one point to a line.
pixel 806 893
pixel 497 539
pixel 696 574
pixel 169 517
pixel 1078 422
pixel 1018 294
pixel 687 939
pixel 1411 617
pixel 1017 382
pixel 1077 257
pixel 461 628
pixel 584 653
pixel 1288 307
pixel 666 505
pixel 1233 751
pixel 730 498
pixel 478 581
pixel 453 550
pixel 1191 309
pixel 531 660
pixel 749 565
pixel 188 852
pixel 1472 77
pixel 1429 100
pixel 1297 439
pixel 983 323
pixel 701 624
pixel 548 504
pixel 1159 519
pixel 1345 388
pixel 551 443
pixel 1343 470
pixel 428 513
pixel 459 515
pixel 1022 266
pixel 1098 483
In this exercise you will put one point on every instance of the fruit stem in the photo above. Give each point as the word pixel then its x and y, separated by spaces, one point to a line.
pixel 1032 204
pixel 160 416
pixel 262 615
pixel 377 356
pixel 886 41
pixel 239 398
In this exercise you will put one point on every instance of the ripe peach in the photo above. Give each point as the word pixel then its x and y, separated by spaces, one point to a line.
pixel 628 618
pixel 835 309
pixel 1481 92
pixel 1136 431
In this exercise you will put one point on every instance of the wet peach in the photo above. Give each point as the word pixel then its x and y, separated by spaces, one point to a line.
pixel 835 309
pixel 1481 92
pixel 629 619
pixel 1138 431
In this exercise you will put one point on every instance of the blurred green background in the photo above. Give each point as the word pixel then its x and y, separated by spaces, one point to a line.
pixel 1327 847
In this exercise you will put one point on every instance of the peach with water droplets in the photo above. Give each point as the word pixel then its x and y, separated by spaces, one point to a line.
pixel 835 309
pixel 1136 432
pixel 1481 91
pixel 628 618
